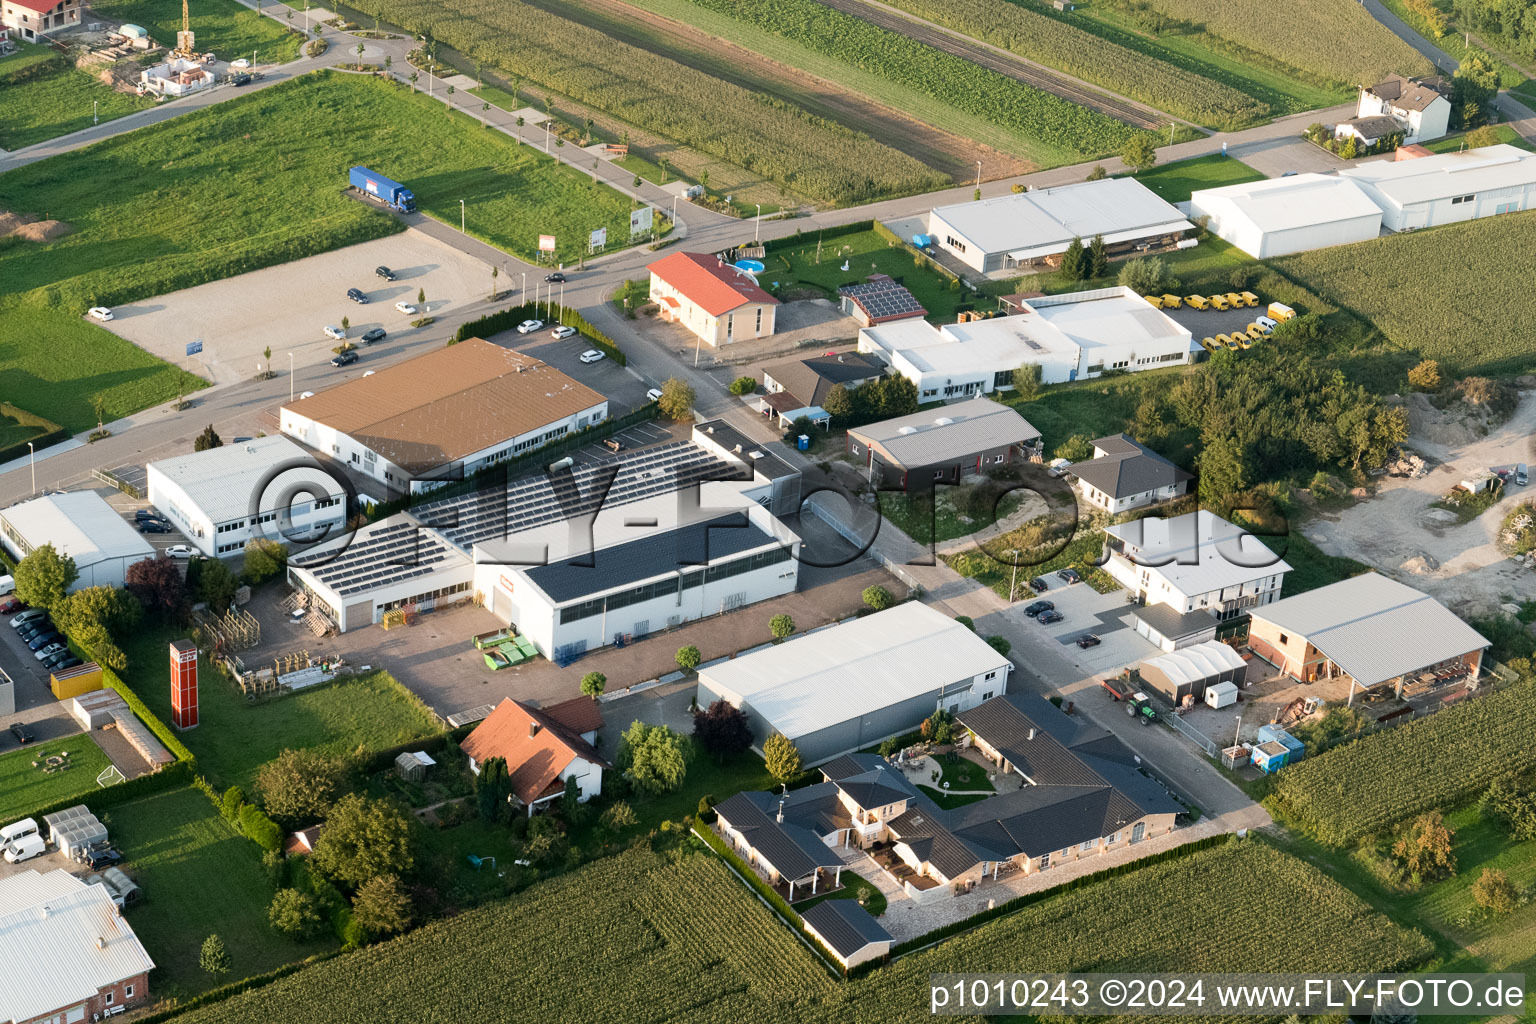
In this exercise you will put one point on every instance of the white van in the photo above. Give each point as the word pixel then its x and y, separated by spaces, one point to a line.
pixel 18 829
pixel 7 585
pixel 24 848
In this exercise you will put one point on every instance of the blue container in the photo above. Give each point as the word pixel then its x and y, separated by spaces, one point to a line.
pixel 1295 749
pixel 804 442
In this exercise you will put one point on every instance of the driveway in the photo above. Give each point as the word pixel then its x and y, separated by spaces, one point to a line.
pixel 35 704
pixel 624 389
pixel 287 306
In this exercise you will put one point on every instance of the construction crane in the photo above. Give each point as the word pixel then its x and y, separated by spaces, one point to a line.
pixel 186 43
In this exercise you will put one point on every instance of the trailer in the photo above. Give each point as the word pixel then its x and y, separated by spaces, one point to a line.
pixel 382 190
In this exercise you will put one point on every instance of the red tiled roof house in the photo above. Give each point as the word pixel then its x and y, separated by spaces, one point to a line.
pixel 711 298
pixel 542 748
pixel 33 19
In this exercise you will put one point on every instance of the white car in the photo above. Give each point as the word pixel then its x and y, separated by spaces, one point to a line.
pixel 336 334
pixel 101 313
pixel 369 373
pixel 529 326
pixel 307 394
pixel 591 355
pixel 179 551
pixel 406 308
pixel 241 63
pixel 1267 323
pixel 653 395
pixel 562 332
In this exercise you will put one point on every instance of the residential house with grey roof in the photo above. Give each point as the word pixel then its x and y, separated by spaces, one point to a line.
pixel 1125 474
pixel 847 931
pixel 941 446
pixel 1370 630
pixel 1421 107
pixel 1073 790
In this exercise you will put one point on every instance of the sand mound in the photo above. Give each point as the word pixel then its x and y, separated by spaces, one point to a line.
pixel 42 231
pixel 1459 424
pixel 11 221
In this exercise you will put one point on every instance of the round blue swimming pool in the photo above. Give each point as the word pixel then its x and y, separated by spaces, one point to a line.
pixel 751 266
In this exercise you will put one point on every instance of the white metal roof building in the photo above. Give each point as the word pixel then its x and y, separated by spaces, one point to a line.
pixel 848 686
pixel 69 954
pixel 1448 187
pixel 266 487
pixel 1197 561
pixel 1029 228
pixel 82 525
pixel 1189 670
pixel 1069 337
pixel 1285 215
pixel 1370 628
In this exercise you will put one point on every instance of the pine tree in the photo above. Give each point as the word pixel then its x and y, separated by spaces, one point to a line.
pixel 1074 262
pixel 1098 261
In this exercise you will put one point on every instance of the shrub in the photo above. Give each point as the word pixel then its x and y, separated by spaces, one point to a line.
pixel 1511 805
pixel 722 729
pixel 293 913
pixel 743 386
pixel 689 657
pixel 259 828
pixel 1423 848
pixel 877 597
pixel 781 626
pixel 1001 644
pixel 1494 891
pixel 229 806
pixel 213 957
pixel 782 757
pixel 967 622
pixel 1425 376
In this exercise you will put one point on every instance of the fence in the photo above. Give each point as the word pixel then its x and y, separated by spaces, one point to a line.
pixel 111 479
pixel 1191 733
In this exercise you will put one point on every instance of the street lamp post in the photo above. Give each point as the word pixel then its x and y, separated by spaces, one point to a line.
pixel 461 218
pixel 756 224
pixel 95 110
pixel 523 291
pixel 978 175
pixel 32 457
pixel 1013 584
pixel 1237 737
pixel 290 376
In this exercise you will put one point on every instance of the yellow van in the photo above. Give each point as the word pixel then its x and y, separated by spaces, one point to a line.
pixel 1156 300
pixel 1243 341
pixel 1280 311
pixel 1233 343
pixel 1209 344
pixel 1255 332
pixel 1196 301
pixel 1172 302
pixel 1234 300
pixel 1249 298
pixel 1220 302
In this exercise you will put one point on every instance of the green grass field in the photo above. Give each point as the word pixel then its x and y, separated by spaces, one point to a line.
pixel 57 103
pixel 24 789
pixel 866 253
pixel 224 27
pixel 199 878
pixel 54 363
pixel 1453 42
pixel 235 736
pixel 1507 135
pixel 1174 182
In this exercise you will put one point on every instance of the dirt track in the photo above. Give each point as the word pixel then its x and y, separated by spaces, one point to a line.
pixel 950 154
pixel 1012 66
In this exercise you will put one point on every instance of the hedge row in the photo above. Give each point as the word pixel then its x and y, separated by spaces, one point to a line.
pixel 52 432
pixel 799 238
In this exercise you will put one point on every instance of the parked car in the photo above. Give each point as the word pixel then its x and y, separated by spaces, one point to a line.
pixel 179 551
pixel 1069 576
pixel 591 355
pixel 562 332
pixel 53 647
pixel 1088 640
pixel 240 78
pixel 358 296
pixel 529 326
pixel 24 848
pixel 1039 585
pixel 23 733
pixel 30 615
pixel 101 313
pixel 149 513
pixel 377 334
pixel 1267 323
pixel 60 661
pixel 405 307
pixel 101 857
pixel 241 63
pixel 384 272
pixel 32 629
pixel 42 638
pixel 1039 606
pixel 11 606
pixel 653 395
pixel 240 440
pixel 555 278
pixel 306 394
pixel 335 333
pixel 346 358
pixel 1522 474
pixel 153 526
pixel 1046 618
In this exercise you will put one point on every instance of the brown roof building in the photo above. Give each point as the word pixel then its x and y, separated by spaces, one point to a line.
pixel 541 749
pixel 449 412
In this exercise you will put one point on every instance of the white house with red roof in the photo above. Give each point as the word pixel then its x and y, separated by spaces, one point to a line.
pixel 32 19
pixel 714 300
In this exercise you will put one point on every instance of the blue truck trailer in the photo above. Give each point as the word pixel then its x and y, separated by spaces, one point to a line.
pixel 380 189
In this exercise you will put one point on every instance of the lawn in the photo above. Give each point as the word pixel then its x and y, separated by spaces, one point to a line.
pixel 227 28
pixel 948 802
pixel 1210 262
pixel 795 265
pixel 55 363
pixel 235 188
pixel 199 878
pixel 916 516
pixel 24 789
pixel 1174 182
pixel 235 736
pixel 45 106
pixel 1507 135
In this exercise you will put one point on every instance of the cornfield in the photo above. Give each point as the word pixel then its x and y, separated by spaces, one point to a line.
pixel 806 154
pixel 1353 791
pixel 640 937
pixel 1071 131
pixel 1477 317
pixel 1335 39
pixel 1036 37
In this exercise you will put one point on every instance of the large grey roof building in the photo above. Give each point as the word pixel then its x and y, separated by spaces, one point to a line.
pixel 913 452
pixel 1125 474
pixel 79 524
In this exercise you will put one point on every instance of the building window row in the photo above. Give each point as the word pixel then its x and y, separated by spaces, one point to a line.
pixel 432 595
pixel 1458 200
pixel 673 584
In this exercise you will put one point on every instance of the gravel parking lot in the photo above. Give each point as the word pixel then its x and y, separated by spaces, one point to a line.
pixel 287 307
pixel 1207 323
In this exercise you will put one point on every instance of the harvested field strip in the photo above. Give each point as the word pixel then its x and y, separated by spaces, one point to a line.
pixel 812 156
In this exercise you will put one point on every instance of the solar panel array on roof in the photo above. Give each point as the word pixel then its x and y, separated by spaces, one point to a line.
pixel 532 500
pixel 380 558
pixel 882 299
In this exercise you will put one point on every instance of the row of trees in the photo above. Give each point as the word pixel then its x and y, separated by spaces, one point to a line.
pixel 879 399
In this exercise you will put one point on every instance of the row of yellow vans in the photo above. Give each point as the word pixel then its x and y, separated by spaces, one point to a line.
pixel 1236 340
pixel 1231 300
